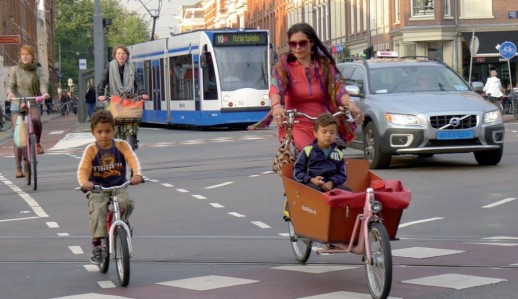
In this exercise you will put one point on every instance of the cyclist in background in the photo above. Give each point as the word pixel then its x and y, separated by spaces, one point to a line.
pixel 27 79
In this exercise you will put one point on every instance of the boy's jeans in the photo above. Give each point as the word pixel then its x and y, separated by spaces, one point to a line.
pixel 98 207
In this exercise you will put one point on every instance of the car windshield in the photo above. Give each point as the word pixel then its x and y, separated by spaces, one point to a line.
pixel 415 78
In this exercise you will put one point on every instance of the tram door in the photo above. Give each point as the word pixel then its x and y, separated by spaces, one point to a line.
pixel 156 82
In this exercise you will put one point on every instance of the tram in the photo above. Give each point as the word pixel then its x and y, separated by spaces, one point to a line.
pixel 205 78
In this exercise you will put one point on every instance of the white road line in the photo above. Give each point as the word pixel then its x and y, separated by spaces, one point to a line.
pixel 167 185
pixel 91 268
pixel 16 219
pixel 261 224
pixel 219 185
pixel 185 191
pixel 236 214
pixel 216 205
pixel 63 234
pixel 199 196
pixel 56 132
pixel 106 284
pixel 253 175
pixel 284 234
pixel 154 181
pixel 420 221
pixel 501 202
pixel 52 224
pixel 28 199
pixel 76 249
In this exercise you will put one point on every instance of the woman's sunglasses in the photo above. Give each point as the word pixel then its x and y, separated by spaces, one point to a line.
pixel 301 43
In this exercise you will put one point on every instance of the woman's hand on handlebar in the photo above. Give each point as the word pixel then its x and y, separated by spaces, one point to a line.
pixel 102 98
pixel 357 114
pixel 136 179
pixel 145 97
pixel 278 113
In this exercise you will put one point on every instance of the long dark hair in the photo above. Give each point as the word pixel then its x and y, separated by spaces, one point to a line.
pixel 312 36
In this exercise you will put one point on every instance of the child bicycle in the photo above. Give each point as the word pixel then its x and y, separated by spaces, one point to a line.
pixel 30 154
pixel 361 222
pixel 118 243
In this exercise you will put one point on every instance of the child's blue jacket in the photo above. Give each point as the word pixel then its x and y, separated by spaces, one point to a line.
pixel 312 162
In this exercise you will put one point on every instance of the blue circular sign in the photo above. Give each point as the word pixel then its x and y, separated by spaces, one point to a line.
pixel 507 50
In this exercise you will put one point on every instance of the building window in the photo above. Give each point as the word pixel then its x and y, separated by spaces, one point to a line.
pixel 447 8
pixel 397 11
pixel 435 50
pixel 422 8
pixel 476 9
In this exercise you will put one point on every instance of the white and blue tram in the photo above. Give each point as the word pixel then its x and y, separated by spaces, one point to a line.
pixel 205 78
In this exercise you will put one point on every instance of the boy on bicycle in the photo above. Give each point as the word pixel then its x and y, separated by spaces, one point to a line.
pixel 104 163
pixel 321 165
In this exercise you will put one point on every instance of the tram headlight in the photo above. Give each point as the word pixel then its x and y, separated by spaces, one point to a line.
pixel 226 98
pixel 230 104
pixel 376 206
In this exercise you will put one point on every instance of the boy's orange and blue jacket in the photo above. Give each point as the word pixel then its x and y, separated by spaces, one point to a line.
pixel 313 162
pixel 107 167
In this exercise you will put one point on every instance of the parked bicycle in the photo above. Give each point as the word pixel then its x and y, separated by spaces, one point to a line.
pixel 5 121
pixel 118 243
pixel 30 154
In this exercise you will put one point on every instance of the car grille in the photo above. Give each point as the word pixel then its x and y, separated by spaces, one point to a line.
pixel 460 142
pixel 440 121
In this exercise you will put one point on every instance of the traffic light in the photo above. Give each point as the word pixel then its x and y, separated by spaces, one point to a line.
pixel 369 52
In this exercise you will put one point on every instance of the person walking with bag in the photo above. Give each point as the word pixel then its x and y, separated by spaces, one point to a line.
pixel 27 79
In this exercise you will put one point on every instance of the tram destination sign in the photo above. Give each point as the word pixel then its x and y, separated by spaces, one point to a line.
pixel 9 39
pixel 240 39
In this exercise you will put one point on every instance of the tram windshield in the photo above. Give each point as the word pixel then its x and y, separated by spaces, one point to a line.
pixel 242 67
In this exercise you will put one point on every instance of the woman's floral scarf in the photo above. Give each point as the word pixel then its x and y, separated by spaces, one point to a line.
pixel 331 82
pixel 35 82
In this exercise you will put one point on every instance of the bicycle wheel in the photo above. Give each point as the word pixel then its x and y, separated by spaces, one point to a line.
pixel 105 263
pixel 33 162
pixel 122 256
pixel 301 246
pixel 5 122
pixel 379 270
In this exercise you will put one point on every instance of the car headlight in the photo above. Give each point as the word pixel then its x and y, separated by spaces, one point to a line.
pixel 402 119
pixel 492 116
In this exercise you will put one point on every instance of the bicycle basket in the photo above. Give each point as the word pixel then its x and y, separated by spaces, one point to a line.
pixel 125 108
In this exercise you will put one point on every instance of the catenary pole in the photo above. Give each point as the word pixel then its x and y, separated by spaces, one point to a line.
pixel 98 42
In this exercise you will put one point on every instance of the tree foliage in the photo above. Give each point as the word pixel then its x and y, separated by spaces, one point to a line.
pixel 74 31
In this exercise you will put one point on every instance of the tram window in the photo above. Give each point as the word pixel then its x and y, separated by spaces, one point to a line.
pixel 210 90
pixel 182 78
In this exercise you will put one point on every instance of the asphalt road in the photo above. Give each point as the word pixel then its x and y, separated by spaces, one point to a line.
pixel 208 224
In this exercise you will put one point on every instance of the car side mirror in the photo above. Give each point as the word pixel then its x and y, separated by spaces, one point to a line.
pixel 353 90
pixel 477 86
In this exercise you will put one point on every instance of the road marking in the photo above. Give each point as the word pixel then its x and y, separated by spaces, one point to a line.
pixel 56 132
pixel 219 185
pixel 154 181
pixel 16 219
pixel 500 238
pixel 498 244
pixel 63 234
pixel 284 234
pixel 343 294
pixel 501 202
pixel 93 296
pixel 261 224
pixel 106 284
pixel 167 185
pixel 72 140
pixel 314 269
pixel 205 283
pixel 91 268
pixel 216 205
pixel 423 252
pixel 419 221
pixel 186 191
pixel 199 196
pixel 454 281
pixel 254 175
pixel 236 214
pixel 28 199
pixel 52 224
pixel 76 249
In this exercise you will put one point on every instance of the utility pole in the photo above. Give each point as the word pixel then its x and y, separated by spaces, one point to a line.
pixel 155 13
pixel 42 37
pixel 98 42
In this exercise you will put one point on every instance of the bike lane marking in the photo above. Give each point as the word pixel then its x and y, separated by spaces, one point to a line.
pixel 36 208
pixel 500 202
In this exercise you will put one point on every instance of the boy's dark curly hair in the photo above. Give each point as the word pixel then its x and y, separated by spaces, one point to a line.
pixel 101 116
pixel 324 120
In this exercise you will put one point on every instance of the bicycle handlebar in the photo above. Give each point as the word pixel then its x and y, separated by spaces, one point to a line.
pixel 39 99
pixel 99 188
pixel 293 112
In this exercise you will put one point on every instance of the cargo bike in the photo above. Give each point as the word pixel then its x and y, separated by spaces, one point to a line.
pixel 362 222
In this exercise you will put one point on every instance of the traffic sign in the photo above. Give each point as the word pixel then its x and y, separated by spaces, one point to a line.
pixel 474 45
pixel 9 39
pixel 507 50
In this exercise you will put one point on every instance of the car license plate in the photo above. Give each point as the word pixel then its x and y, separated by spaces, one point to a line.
pixel 445 135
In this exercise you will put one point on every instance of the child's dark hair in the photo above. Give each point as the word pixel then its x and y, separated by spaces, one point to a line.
pixel 324 120
pixel 101 116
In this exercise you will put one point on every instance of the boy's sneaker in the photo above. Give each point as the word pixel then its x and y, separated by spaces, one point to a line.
pixel 97 255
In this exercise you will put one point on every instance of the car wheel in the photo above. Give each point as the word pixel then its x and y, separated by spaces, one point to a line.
pixel 492 157
pixel 372 148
